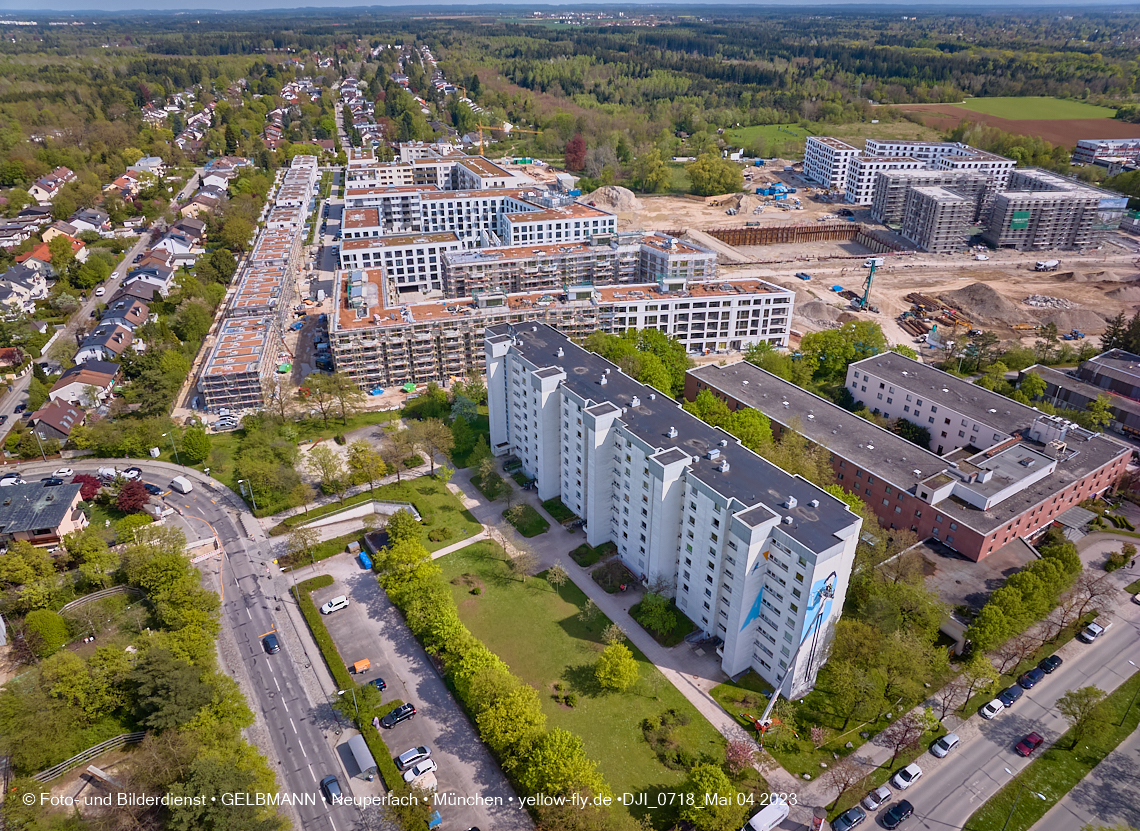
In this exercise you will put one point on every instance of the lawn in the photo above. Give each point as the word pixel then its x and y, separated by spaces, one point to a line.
pixel 679 181
pixel 586 555
pixel 1058 769
pixel 1035 109
pixel 674 636
pixel 556 646
pixel 324 550
pixel 747 137
pixel 558 512
pixel 527 521
pixel 440 510
pixel 1133 588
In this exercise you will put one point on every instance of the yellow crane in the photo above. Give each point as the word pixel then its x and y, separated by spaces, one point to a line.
pixel 508 132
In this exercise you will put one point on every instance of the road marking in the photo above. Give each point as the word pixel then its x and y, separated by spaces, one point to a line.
pixel 286 706
pixel 306 755
pixel 248 613
pixel 276 684
pixel 294 726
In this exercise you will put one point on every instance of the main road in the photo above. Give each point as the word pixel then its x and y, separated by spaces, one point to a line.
pixel 299 731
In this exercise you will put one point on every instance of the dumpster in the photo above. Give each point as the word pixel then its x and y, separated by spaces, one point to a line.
pixel 365 560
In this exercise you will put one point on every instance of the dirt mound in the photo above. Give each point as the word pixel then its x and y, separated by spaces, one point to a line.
pixel 978 301
pixel 1084 320
pixel 1126 294
pixel 748 203
pixel 1093 277
pixel 614 198
pixel 819 314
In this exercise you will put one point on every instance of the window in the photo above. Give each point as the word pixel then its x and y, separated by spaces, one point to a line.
pixel 799 577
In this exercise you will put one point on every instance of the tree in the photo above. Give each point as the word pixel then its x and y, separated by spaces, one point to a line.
pixel 317 389
pixel 462 437
pixel 616 668
pixel 1100 412
pixel 365 463
pixel 132 497
pixel 739 755
pixel 168 691
pixel 1033 385
pixel 404 562
pixel 650 172
pixel 1015 650
pixel 1090 590
pixel 654 614
pixel 195 445
pixel 89 485
pixel 62 253
pixel 556 575
pixel 433 437
pixel 302 545
pixel 46 632
pixel 613 633
pixel 848 687
pixel 556 764
pixel 463 407
pixel 1114 336
pixel 843 775
pixel 349 399
pixel 513 721
pixel 576 153
pixel 989 628
pixel 1083 709
pixel 99 564
pixel 329 466
pixel 402 526
pixel 714 803
pixel 523 563
pixel 236 233
pixel 904 734
pixel 396 450
pixel 710 175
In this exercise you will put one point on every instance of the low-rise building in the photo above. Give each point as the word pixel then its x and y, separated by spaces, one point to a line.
pixel 240 364
pixel 46 188
pixel 1068 389
pixel 107 342
pixel 86 385
pixel 40 514
pixel 20 287
pixel 55 419
pixel 1096 151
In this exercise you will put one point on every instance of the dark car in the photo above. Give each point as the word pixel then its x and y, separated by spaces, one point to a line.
pixel 1028 744
pixel 1029 680
pixel 270 643
pixel 897 813
pixel 1049 664
pixel 848 819
pixel 20 408
pixel 330 787
pixel 153 490
pixel 378 683
pixel 51 481
pixel 401 713
pixel 1010 695
pixel 3 418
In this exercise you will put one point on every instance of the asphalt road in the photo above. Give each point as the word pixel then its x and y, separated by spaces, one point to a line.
pixel 297 729
pixel 953 788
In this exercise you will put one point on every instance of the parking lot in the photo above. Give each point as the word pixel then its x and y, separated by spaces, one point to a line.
pixel 372 628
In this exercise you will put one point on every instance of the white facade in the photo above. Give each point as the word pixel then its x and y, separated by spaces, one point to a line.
pixel 826 161
pixel 1090 151
pixel 861 175
pixel 753 552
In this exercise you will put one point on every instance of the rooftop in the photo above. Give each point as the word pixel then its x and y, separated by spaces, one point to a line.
pixel 360 218
pixel 940 194
pixel 574 211
pixel 750 479
pixel 1116 364
pixel 35 507
pixel 834 142
pixel 483 167
pixel 240 346
pixel 398 241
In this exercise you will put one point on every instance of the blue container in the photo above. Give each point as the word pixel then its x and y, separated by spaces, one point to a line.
pixel 365 560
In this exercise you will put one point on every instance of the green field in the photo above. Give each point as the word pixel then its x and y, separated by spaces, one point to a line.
pixel 766 134
pixel 556 646
pixel 1035 109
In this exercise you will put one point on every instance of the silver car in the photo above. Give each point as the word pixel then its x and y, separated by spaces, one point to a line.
pixel 877 798
pixel 410 758
pixel 945 744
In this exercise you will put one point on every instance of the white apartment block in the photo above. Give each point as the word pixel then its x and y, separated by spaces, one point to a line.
pixel 413 263
pixel 760 559
pixel 826 161
pixel 863 170
pixel 522 222
pixel 1093 151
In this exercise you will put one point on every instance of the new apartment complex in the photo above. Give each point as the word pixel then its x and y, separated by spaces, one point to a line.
pixel 892 187
pixel 1042 211
pixel 995 470
pixel 760 559
pixel 1100 151
pixel 935 219
pixel 826 161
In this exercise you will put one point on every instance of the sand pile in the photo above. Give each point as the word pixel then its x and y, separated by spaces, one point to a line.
pixel 978 301
pixel 614 198
pixel 1084 320
pixel 749 202
pixel 1093 277
pixel 819 314
pixel 1126 294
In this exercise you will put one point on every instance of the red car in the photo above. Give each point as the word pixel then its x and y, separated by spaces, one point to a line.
pixel 1028 744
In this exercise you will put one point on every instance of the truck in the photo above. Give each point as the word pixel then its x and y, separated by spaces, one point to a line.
pixel 181 484
pixel 1047 265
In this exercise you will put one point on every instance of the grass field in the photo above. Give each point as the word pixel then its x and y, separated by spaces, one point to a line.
pixel 1035 109
pixel 556 646
pixel 765 133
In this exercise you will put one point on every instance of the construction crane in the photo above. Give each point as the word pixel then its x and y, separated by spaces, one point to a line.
pixel 826 592
pixel 479 127
pixel 872 262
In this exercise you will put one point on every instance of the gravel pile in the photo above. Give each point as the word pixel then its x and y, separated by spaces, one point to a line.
pixel 819 314
pixel 980 302
pixel 1084 320
pixel 1044 301
pixel 1128 294
pixel 614 198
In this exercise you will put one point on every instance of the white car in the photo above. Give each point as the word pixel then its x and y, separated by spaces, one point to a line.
pixel 100 291
pixel 64 472
pixel 906 777
pixel 4 483
pixel 426 766
pixel 877 798
pixel 992 709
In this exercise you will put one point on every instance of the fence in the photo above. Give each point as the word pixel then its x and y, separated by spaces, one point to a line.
pixel 99 595
pixel 90 753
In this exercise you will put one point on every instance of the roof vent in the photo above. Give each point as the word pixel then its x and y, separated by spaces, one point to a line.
pixel 672 432
pixel 652 397
pixel 714 453
pixel 791 502
pixel 745 383
pixel 814 503
pixel 635 402
pixel 723 466
pixel 788 520
pixel 534 328
pixel 870 447
pixel 991 411
pixel 917 472
pixel 603 382
pixel 811 417
pixel 785 404
pixel 723 442
pixel 561 352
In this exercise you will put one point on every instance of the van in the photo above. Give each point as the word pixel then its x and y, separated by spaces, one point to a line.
pixel 1093 631
pixel 181 484
pixel 770 817
pixel 335 605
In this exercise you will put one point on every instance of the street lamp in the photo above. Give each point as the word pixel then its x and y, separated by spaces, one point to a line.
pixel 1130 703
pixel 342 692
pixel 1023 787
pixel 172 447
pixel 250 484
pixel 36 433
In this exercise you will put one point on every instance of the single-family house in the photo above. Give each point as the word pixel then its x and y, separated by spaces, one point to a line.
pixel 55 419
pixel 14 233
pixel 86 385
pixel 201 203
pixel 11 356
pixel 90 219
pixel 217 179
pixel 38 215
pixel 194 229
pixel 149 164
pixel 142 290
pixel 181 248
pixel 57 229
pixel 39 257
pixel 127 186
pixel 107 342
pixel 156 276
pixel 40 514
pixel 135 223
pixel 46 188
pixel 128 312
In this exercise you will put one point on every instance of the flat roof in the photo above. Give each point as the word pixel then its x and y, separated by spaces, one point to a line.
pixel 641 292
pixel 394 190
pixel 833 142
pixel 673 245
pixel 751 480
pixel 1117 364
pixel 575 211
pixel 483 167
pixel 240 346
pixel 940 193
pixel 867 160
pixel 398 241
pixel 360 218
pixel 1083 388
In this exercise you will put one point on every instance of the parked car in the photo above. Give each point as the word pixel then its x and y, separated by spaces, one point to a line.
pixel 415 772
pixel 992 709
pixel 3 418
pixel 64 472
pixel 20 408
pixel 898 812
pixel 945 744
pixel 1051 663
pixel 1029 679
pixel 1009 695
pixel 52 481
pixel 906 777
pixel 877 798
pixel 331 789
pixel 335 605
pixel 1089 634
pixel 848 819
pixel 1029 744
pixel 401 713
pixel 8 482
pixel 132 473
pixel 153 490
pixel 411 758
pixel 271 644
pixel 379 684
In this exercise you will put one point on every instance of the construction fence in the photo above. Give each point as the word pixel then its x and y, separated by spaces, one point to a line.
pixel 870 238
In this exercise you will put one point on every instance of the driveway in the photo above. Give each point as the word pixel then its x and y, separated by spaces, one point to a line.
pixel 372 628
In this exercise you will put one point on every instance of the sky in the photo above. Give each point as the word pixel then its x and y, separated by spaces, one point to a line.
pixel 13 8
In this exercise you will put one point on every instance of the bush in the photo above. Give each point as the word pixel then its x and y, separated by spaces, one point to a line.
pixel 439 534
pixel 47 632
pixel 340 439
pixel 477 590
pixel 1115 560
pixel 415 460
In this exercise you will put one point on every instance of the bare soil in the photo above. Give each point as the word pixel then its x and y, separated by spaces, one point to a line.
pixel 1066 131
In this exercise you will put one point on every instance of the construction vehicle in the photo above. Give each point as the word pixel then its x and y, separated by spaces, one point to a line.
pixel 862 303
pixel 479 127
pixel 1024 327
pixel 1047 265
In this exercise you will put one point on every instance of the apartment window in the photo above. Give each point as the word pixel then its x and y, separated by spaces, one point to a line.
pixel 788 637
pixel 796 593
pixel 799 577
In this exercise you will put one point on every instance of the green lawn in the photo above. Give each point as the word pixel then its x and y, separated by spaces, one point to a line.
pixel 1133 588
pixel 679 181
pixel 674 636
pixel 558 512
pixel 746 137
pixel 1035 109
pixel 555 646
pixel 324 550
pixel 586 555
pixel 527 521
pixel 1058 769
pixel 440 510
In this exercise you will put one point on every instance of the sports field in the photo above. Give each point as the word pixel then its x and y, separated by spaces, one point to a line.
pixel 1035 109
